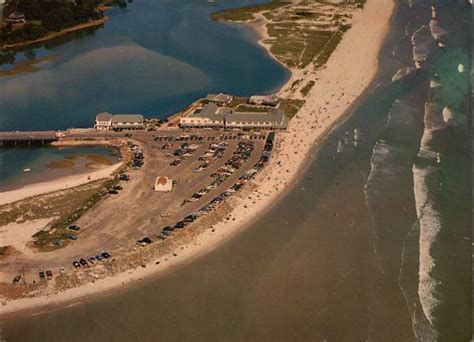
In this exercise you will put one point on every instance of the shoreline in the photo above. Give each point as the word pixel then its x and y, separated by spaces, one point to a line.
pixel 292 153
pixel 65 182
pixel 54 35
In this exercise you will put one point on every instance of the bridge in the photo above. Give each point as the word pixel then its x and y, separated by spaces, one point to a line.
pixel 11 139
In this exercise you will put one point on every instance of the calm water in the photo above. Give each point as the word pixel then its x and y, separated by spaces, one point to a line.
pixel 152 58
pixel 14 160
pixel 338 258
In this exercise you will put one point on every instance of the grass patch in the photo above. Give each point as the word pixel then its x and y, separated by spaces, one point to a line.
pixel 236 101
pixel 305 90
pixel 291 106
pixel 44 239
pixel 246 13
pixel 251 109
pixel 66 205
pixel 328 49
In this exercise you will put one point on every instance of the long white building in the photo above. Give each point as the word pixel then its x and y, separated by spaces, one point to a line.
pixel 213 116
pixel 119 121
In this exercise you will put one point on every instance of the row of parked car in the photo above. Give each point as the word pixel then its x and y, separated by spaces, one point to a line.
pixel 241 153
pixel 242 149
pixel 215 202
pixel 213 153
pixel 182 152
pixel 137 157
pixel 92 260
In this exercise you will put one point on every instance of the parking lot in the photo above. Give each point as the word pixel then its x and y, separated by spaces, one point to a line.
pixel 204 168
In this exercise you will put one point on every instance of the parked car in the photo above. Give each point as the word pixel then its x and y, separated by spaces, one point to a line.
pixel 17 279
pixel 113 191
pixel 71 236
pixel 106 255
pixel 124 177
pixel 76 264
pixel 41 275
pixel 83 262
pixel 49 274
pixel 74 227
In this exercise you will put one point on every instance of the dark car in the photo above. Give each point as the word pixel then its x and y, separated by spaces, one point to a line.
pixel 74 227
pixel 76 264
pixel 83 262
pixel 99 257
pixel 41 275
pixel 106 255
pixel 124 177
pixel 17 279
pixel 168 229
pixel 70 236
pixel 92 260
pixel 147 240
pixel 49 274
pixel 113 191
pixel 118 187
pixel 179 225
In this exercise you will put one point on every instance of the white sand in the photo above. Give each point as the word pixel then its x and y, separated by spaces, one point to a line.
pixel 349 70
pixel 56 184
pixel 19 234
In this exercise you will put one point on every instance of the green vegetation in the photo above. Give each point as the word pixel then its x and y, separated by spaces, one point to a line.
pixel 305 90
pixel 291 106
pixel 236 101
pixel 331 45
pixel 66 206
pixel 244 108
pixel 246 13
pixel 300 33
pixel 45 238
pixel 44 17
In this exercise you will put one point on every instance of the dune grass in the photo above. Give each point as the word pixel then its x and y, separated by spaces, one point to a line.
pixel 246 13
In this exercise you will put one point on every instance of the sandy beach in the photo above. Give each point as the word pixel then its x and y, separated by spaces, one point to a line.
pixel 56 184
pixel 346 75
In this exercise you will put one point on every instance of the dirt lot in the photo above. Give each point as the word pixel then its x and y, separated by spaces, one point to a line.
pixel 117 221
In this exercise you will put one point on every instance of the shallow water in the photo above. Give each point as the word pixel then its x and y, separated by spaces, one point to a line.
pixel 14 160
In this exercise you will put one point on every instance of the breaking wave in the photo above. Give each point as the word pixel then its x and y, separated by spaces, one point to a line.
pixel 425 178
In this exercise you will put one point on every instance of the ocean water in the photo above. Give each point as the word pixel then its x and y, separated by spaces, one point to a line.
pixel 152 58
pixel 373 243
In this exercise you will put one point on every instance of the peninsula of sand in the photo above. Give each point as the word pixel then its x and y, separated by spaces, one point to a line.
pixel 335 86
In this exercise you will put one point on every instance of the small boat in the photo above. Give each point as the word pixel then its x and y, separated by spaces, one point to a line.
pixel 26 170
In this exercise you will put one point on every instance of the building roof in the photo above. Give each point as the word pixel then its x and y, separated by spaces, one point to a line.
pixel 213 112
pixel 218 97
pixel 275 115
pixel 163 184
pixel 161 180
pixel 117 118
pixel 266 98
pixel 103 116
